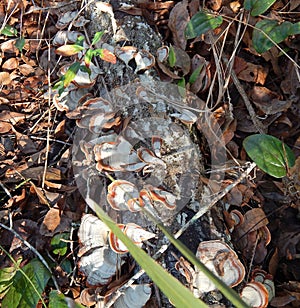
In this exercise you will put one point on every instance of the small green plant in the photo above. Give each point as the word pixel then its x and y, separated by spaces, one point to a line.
pixel 270 154
pixel 58 243
pixel 266 32
pixel 10 31
pixel 26 285
pixel 84 59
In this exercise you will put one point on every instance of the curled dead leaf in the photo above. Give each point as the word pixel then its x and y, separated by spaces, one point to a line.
pixel 178 19
pixel 269 101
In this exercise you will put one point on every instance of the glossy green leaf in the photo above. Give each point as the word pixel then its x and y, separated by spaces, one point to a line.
pixel 20 42
pixel 59 300
pixel 71 73
pixel 97 37
pixel 270 154
pixel 202 22
pixel 171 287
pixel 258 7
pixel 9 31
pixel 172 57
pixel 58 244
pixel 268 32
pixel 27 286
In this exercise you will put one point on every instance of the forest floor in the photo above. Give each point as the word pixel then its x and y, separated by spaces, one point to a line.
pixel 72 99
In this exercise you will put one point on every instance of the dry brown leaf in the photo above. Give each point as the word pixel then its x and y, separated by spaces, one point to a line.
pixel 17 200
pixel 235 197
pixel 4 79
pixel 283 300
pixel 25 144
pixel 214 5
pixel 9 47
pixel 290 84
pixel 146 4
pixel 51 220
pixel 268 101
pixel 235 6
pixel 10 64
pixel 254 219
pixel 250 72
pixel 5 127
pixel 178 19
pixel 12 117
pixel 36 173
pixel 131 10
pixel 26 69
pixel 40 193
pixel 203 80
pixel 193 7
pixel 28 60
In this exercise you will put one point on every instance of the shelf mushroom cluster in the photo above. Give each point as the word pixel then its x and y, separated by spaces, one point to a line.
pixel 99 248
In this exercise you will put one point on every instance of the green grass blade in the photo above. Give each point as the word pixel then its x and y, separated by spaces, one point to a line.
pixel 229 293
pixel 171 287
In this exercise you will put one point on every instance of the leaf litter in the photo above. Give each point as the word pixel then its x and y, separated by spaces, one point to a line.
pixel 39 198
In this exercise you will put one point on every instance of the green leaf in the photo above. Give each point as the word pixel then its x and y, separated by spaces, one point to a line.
pixel 88 57
pixel 67 266
pixel 181 87
pixel 171 287
pixel 6 276
pixel 59 86
pixel 258 7
pixel 270 29
pixel 20 42
pixel 9 31
pixel 200 23
pixel 97 37
pixel 60 247
pixel 59 300
pixel 270 154
pixel 80 41
pixel 296 28
pixel 172 57
pixel 71 73
pixel 27 287
pixel 195 74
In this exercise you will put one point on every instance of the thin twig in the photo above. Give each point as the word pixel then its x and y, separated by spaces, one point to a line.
pixel 49 122
pixel 260 127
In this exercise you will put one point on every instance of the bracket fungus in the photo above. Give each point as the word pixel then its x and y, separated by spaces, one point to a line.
pixel 255 294
pixel 136 233
pixel 123 195
pixel 222 261
pixel 100 248
pixel 135 296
